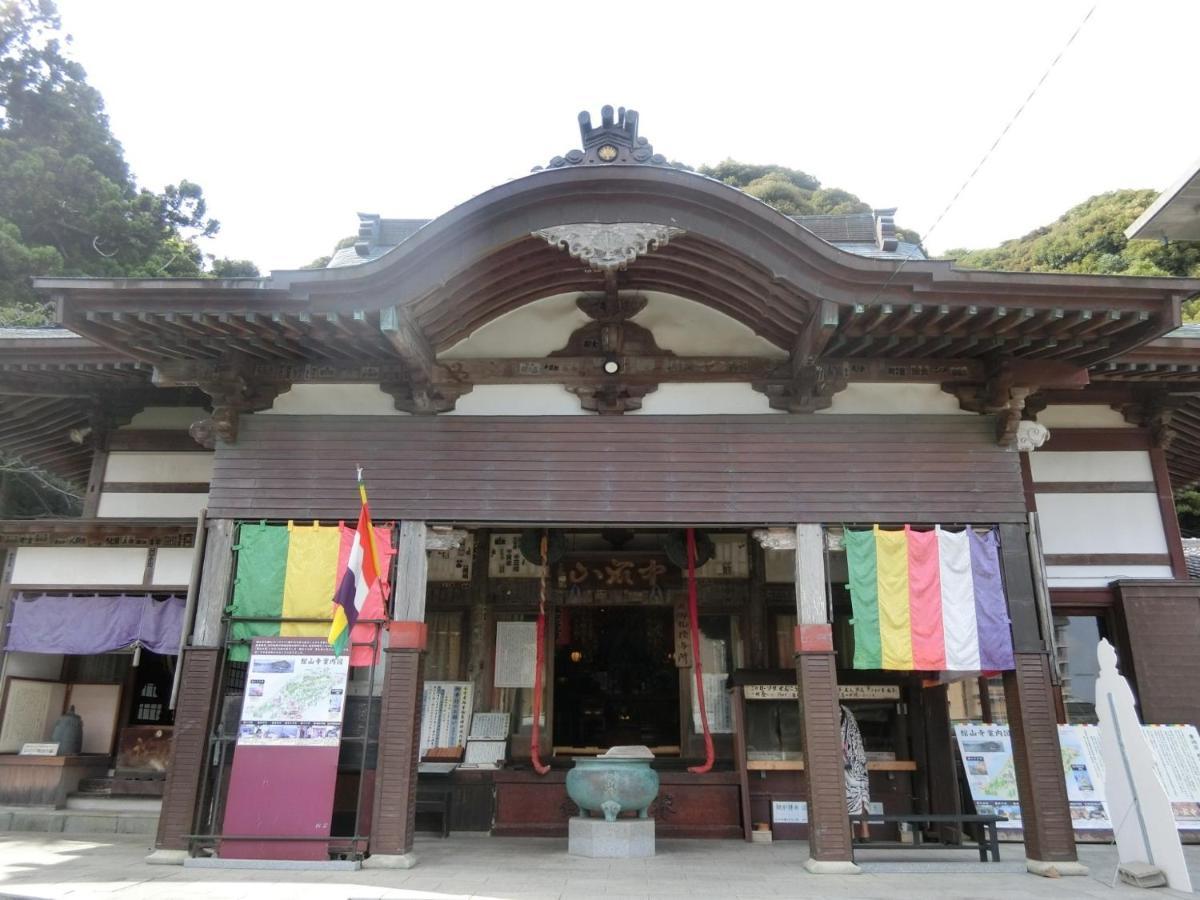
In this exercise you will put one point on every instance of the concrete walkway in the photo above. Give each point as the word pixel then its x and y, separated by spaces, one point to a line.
pixel 460 867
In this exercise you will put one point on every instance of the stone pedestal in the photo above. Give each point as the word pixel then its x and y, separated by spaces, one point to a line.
pixel 622 839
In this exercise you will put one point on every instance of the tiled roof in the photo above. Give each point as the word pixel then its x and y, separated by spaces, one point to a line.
pixel 1191 555
pixel 40 333
pixel 1191 330
pixel 856 227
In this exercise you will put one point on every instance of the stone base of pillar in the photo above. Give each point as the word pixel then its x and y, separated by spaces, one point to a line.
pixel 390 861
pixel 1054 869
pixel 831 867
pixel 167 857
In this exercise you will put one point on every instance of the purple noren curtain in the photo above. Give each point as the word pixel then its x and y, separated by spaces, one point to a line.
pixel 94 624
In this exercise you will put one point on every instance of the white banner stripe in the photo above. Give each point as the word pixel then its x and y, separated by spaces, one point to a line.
pixel 958 602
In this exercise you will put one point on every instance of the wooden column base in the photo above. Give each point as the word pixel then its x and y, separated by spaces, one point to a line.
pixel 820 725
pixel 394 809
pixel 189 747
pixel 1045 815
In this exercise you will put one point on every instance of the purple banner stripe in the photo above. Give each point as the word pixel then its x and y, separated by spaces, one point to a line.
pixel 991 607
pixel 345 597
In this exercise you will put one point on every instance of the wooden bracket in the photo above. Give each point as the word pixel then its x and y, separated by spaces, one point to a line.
pixel 232 394
pixel 611 398
pixel 810 388
pixel 1008 385
pixel 1153 408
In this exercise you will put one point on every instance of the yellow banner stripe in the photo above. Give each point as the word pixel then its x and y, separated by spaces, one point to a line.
pixel 310 578
pixel 895 626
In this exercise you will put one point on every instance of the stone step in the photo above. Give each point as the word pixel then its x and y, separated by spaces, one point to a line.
pixel 73 821
pixel 148 806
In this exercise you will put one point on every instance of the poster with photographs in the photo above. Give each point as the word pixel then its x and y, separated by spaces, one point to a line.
pixel 1083 769
pixel 987 757
pixel 988 761
pixel 295 694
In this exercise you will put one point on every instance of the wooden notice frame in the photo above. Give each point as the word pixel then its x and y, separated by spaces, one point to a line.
pixel 39 698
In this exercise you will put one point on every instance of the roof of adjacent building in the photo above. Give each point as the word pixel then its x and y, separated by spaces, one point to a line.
pixel 1175 215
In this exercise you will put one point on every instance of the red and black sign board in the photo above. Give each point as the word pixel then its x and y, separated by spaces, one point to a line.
pixel 285 761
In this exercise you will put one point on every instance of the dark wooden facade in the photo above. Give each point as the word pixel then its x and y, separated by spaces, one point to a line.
pixel 691 470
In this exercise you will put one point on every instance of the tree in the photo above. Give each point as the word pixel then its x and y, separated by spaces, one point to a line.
pixel 1090 238
pixel 68 203
pixel 792 192
pixel 234 268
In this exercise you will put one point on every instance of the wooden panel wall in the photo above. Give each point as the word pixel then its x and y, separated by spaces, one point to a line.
pixel 1163 620
pixel 628 469
pixel 189 748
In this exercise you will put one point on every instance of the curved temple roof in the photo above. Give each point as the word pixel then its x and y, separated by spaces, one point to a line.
pixel 614 218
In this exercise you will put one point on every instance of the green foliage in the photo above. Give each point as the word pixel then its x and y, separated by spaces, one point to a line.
pixel 1089 238
pixel 319 263
pixel 68 203
pixel 234 268
pixel 1187 507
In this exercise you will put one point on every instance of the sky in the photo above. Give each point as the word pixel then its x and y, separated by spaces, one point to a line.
pixel 294 116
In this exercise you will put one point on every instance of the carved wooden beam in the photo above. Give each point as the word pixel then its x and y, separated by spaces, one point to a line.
pixel 409 341
pixel 815 335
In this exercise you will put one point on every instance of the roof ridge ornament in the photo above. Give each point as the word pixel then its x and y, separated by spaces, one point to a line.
pixel 609 247
pixel 614 141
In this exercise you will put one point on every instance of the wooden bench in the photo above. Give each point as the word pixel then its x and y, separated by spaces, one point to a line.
pixel 992 843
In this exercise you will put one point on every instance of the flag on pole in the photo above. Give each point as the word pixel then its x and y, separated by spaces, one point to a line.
pixel 362 571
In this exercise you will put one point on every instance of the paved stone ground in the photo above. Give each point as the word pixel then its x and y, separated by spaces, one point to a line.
pixel 461 867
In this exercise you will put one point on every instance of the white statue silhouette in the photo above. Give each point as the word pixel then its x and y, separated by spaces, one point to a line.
pixel 1143 823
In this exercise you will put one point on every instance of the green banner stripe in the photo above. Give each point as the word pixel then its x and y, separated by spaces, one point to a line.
pixel 258 587
pixel 864 598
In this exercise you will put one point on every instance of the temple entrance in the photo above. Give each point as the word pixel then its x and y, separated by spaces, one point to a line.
pixel 615 678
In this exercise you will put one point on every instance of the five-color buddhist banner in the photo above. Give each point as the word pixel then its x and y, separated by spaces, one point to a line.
pixel 928 600
pixel 291 572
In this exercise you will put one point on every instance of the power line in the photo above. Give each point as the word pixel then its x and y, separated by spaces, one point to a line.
pixel 992 149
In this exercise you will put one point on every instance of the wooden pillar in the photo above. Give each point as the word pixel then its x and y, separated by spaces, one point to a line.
pixel 196 705
pixel 941 775
pixel 393 812
pixel 829 839
pixel 1033 723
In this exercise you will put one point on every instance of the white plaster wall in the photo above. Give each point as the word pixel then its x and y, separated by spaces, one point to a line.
pixel 1082 415
pixel 167 418
pixel 704 399
pixel 151 506
pixel 689 328
pixel 334 400
pixel 518 400
pixel 1100 576
pixel 536 329
pixel 131 465
pixel 1083 465
pixel 868 398
pixel 1101 523
pixel 679 325
pixel 79 565
pixel 173 565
